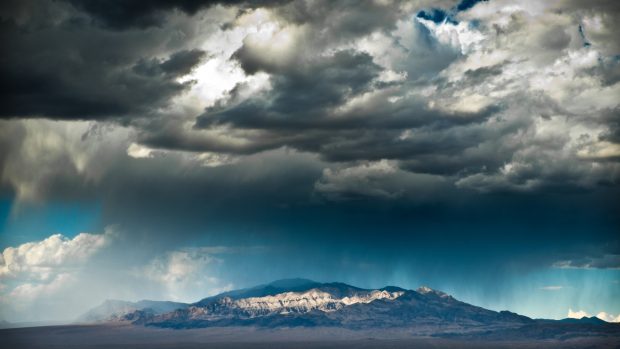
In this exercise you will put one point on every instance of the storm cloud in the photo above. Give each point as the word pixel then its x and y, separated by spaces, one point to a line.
pixel 486 132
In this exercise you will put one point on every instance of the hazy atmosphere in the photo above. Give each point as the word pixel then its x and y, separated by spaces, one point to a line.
pixel 173 150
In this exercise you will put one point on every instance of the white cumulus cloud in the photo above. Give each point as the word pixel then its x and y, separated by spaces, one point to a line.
pixel 601 315
pixel 186 274
pixel 608 317
pixel 40 259
pixel 576 314
pixel 37 276
pixel 552 288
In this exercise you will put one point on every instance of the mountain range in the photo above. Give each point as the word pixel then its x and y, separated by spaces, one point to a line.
pixel 306 303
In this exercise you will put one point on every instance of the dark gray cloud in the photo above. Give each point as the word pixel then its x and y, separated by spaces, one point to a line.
pixel 179 64
pixel 344 20
pixel 301 95
pixel 71 71
pixel 608 261
pixel 612 119
pixel 124 14
pixel 349 83
pixel 307 104
pixel 605 256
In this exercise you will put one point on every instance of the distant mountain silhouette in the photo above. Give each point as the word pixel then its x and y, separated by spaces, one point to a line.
pixel 584 320
pixel 117 310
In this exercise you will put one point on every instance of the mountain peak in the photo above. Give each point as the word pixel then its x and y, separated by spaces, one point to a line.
pixel 427 290
pixel 270 289
pixel 424 289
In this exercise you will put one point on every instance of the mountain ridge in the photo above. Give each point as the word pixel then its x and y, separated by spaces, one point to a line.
pixel 306 303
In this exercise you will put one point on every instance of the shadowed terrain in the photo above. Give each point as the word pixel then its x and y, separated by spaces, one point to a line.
pixel 129 336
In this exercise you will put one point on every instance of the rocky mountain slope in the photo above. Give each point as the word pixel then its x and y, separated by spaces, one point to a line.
pixel 300 302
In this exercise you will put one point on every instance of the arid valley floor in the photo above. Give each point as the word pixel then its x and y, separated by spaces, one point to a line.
pixel 130 337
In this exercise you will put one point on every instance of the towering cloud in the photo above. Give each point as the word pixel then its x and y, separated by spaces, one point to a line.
pixel 42 273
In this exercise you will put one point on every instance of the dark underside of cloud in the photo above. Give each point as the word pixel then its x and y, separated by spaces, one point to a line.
pixel 74 71
pixel 125 14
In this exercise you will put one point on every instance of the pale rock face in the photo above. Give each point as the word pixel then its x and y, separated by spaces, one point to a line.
pixel 424 289
pixel 427 290
pixel 290 302
pixel 310 300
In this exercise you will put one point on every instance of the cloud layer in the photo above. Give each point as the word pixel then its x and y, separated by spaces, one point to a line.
pixel 487 96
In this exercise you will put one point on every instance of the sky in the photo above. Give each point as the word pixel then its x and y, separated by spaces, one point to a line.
pixel 175 149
